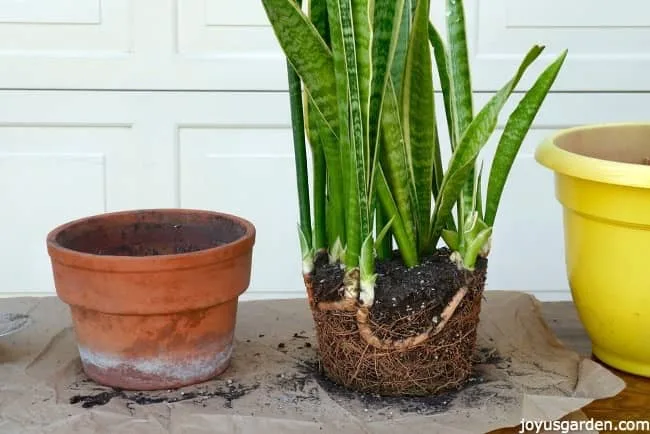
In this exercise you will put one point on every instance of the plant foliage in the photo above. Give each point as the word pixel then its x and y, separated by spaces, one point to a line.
pixel 361 77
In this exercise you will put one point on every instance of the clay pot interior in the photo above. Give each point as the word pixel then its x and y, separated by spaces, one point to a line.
pixel 150 233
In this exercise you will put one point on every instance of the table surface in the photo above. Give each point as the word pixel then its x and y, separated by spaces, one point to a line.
pixel 633 403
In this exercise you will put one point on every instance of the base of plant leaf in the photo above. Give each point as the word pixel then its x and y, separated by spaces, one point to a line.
pixel 436 365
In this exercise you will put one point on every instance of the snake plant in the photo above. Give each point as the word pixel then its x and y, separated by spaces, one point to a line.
pixel 361 82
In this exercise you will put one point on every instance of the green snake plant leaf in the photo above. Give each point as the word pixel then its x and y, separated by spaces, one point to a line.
pixel 462 84
pixel 394 161
pixel 442 65
pixel 335 199
pixel 362 44
pixel 401 46
pixel 459 65
pixel 386 21
pixel 300 152
pixel 325 232
pixel 319 178
pixel 419 117
pixel 381 235
pixel 317 11
pixel 451 239
pixel 407 247
pixel 477 203
pixel 514 134
pixel 367 272
pixel 359 224
pixel 475 137
pixel 441 54
pixel 476 245
pixel 307 53
pixel 342 97
pixel 307 252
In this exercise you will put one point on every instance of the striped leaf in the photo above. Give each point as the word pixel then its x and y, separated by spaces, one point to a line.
pixel 401 46
pixel 327 156
pixel 358 213
pixel 362 44
pixel 342 97
pixel 461 82
pixel 514 134
pixel 386 26
pixel 471 143
pixel 307 53
pixel 441 54
pixel 399 174
pixel 459 65
pixel 419 117
pixel 441 57
pixel 407 248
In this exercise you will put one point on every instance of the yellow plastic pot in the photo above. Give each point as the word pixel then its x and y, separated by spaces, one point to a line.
pixel 602 180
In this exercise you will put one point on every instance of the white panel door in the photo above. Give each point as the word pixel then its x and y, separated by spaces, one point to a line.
pixel 225 45
pixel 64 155
pixel 138 44
pixel 608 41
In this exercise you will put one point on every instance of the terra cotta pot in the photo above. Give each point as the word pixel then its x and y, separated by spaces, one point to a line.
pixel 153 293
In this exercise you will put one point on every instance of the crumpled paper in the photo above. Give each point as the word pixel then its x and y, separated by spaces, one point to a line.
pixel 523 372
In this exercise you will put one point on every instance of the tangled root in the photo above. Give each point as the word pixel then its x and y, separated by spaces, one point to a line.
pixel 388 359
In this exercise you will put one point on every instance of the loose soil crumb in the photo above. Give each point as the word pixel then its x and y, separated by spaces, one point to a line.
pixel 472 392
pixel 229 392
pixel 303 388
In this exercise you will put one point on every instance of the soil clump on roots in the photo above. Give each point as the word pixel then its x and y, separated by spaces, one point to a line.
pixel 408 303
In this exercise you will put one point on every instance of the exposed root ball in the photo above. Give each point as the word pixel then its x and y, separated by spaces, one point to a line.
pixel 434 365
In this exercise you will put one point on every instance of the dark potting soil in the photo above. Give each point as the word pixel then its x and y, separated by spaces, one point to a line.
pixel 153 239
pixel 400 291
pixel 151 235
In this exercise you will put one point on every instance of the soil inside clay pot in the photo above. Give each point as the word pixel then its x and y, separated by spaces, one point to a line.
pixel 166 235
pixel 400 292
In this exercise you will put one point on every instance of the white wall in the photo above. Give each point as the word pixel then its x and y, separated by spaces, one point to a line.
pixel 120 104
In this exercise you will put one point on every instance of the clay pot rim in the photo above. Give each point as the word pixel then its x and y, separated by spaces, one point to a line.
pixel 117 263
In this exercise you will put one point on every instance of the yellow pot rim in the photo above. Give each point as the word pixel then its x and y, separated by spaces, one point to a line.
pixel 561 161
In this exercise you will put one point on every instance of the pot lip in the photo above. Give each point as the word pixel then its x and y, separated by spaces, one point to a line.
pixel 564 162
pixel 116 263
